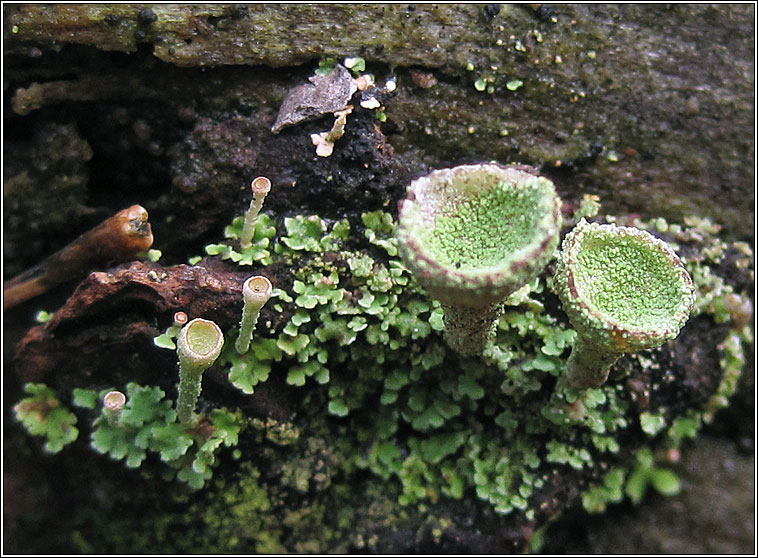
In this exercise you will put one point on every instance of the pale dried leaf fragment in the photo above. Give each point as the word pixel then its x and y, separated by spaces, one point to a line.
pixel 325 94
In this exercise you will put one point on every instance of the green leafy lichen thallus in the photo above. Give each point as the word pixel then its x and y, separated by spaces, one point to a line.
pixel 260 187
pixel 256 291
pixel 474 234
pixel 198 346
pixel 624 291
pixel 42 414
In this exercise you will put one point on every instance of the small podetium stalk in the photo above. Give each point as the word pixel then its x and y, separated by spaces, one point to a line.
pixel 256 291
pixel 198 346
pixel 261 187
pixel 180 318
pixel 624 291
pixel 113 402
pixel 474 234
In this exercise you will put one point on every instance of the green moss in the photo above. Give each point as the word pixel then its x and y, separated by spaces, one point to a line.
pixel 309 234
pixel 378 324
pixel 646 473
pixel 652 424
pixel 610 491
pixel 167 339
pixel 257 253
pixel 732 363
pixel 85 398
pixel 239 517
pixel 716 298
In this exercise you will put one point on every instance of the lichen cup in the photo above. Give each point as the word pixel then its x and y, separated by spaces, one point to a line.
pixel 474 234
pixel 624 291
pixel 255 293
pixel 198 346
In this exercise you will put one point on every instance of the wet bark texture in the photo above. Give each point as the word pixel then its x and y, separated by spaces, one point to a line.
pixel 171 107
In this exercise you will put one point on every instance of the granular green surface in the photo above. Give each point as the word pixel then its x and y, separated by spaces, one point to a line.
pixel 202 338
pixel 631 283
pixel 487 230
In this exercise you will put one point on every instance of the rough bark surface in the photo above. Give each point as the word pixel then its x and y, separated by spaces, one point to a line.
pixel 649 105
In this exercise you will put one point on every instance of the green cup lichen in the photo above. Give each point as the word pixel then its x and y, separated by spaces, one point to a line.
pixel 113 404
pixel 256 291
pixel 474 234
pixel 624 291
pixel 199 344
pixel 260 187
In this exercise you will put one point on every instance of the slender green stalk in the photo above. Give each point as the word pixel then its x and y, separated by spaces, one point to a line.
pixel 198 346
pixel 261 187
pixel 469 330
pixel 589 364
pixel 256 291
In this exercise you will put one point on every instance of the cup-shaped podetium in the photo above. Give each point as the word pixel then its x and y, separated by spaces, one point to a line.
pixel 255 293
pixel 624 291
pixel 199 344
pixel 113 404
pixel 474 234
pixel 260 187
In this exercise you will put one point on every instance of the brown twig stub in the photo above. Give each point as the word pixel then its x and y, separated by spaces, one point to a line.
pixel 116 239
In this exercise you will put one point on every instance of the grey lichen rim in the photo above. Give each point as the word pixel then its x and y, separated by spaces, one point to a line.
pixel 622 287
pixel 474 234
pixel 114 400
pixel 485 230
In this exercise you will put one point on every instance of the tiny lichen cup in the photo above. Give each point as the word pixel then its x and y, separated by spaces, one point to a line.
pixel 198 346
pixel 255 293
pixel 624 291
pixel 474 234
pixel 260 187
pixel 113 404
